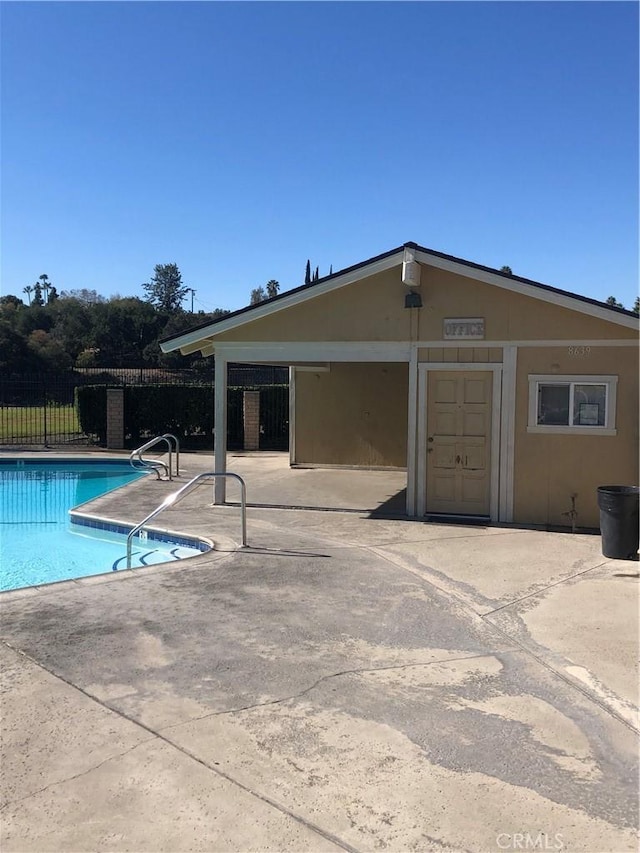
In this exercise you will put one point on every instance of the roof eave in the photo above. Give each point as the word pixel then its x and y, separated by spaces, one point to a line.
pixel 188 342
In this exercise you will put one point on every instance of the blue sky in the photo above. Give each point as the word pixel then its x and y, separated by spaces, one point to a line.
pixel 239 139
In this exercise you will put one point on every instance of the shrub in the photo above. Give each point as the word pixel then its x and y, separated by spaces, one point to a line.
pixel 186 411
pixel 91 406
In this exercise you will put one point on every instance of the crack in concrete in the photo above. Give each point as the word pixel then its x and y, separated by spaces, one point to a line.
pixel 442 845
pixel 542 589
pixel 8 803
pixel 339 544
pixel 359 671
pixel 442 539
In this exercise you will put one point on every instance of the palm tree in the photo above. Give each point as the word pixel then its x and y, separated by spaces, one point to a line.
pixel 28 290
pixel 272 288
pixel 46 285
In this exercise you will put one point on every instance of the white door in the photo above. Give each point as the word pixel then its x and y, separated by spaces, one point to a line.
pixel 459 442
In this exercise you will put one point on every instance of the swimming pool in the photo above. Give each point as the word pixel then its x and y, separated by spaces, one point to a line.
pixel 40 544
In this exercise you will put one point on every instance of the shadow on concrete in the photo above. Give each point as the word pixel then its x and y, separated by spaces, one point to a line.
pixel 394 507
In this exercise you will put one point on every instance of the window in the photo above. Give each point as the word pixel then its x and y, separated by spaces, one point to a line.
pixel 572 404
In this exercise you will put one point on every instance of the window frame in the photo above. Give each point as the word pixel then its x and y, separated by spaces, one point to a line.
pixel 611 385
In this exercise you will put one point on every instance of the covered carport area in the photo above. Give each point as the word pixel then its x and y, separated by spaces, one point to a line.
pixel 348 409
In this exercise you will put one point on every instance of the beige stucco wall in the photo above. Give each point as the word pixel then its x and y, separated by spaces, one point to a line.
pixel 373 310
pixel 508 316
pixel 356 414
pixel 548 469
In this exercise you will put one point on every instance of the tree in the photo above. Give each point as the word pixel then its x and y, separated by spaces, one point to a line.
pixel 28 290
pixel 121 330
pixel 35 317
pixel 258 294
pixel 88 297
pixel 636 305
pixel 316 274
pixel 72 324
pixel 45 285
pixel 10 302
pixel 37 294
pixel 273 287
pixel 166 290
pixel 611 300
pixel 48 351
pixel 15 355
pixel 307 273
pixel 176 324
pixel 506 269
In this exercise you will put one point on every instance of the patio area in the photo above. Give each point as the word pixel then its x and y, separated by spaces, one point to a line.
pixel 350 681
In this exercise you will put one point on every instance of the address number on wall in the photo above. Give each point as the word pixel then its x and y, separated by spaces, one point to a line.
pixel 579 351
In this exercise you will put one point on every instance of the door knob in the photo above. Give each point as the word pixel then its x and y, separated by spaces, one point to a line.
pixel 430 438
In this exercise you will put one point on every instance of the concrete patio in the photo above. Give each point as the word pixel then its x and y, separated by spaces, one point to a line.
pixel 349 681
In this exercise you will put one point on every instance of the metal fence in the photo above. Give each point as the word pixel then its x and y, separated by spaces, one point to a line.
pixel 40 409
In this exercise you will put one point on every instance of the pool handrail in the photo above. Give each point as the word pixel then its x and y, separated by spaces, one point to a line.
pixel 174 497
pixel 157 464
pixel 169 435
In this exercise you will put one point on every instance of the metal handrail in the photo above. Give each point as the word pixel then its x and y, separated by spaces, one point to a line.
pixel 176 496
pixel 157 464
pixel 177 443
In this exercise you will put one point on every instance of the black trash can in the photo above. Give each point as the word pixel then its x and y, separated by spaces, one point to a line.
pixel 619 521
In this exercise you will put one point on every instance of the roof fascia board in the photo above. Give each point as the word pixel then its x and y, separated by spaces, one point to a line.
pixel 535 291
pixel 285 301
pixel 315 351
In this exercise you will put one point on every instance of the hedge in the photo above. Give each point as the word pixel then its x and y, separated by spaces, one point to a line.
pixel 187 411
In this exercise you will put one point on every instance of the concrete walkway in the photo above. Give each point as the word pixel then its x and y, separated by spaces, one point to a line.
pixel 348 682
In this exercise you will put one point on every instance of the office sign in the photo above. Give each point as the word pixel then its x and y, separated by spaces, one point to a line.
pixel 463 328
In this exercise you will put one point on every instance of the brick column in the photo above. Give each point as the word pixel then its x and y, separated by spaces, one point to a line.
pixel 115 418
pixel 251 415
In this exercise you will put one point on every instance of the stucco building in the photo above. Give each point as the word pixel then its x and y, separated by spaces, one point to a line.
pixel 503 398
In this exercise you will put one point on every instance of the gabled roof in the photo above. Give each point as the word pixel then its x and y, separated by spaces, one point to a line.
pixel 389 259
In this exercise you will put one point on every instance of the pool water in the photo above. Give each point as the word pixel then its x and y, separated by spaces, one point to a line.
pixel 39 544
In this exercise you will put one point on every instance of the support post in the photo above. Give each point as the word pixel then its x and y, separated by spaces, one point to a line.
pixel 220 436
pixel 115 418
pixel 507 431
pixel 292 415
pixel 251 419
pixel 412 433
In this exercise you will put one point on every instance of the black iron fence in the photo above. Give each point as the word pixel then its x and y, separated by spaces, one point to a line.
pixel 42 409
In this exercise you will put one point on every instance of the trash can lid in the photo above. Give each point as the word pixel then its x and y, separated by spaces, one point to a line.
pixel 620 490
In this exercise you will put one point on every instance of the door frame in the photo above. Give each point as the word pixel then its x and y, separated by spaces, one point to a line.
pixel 496 406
